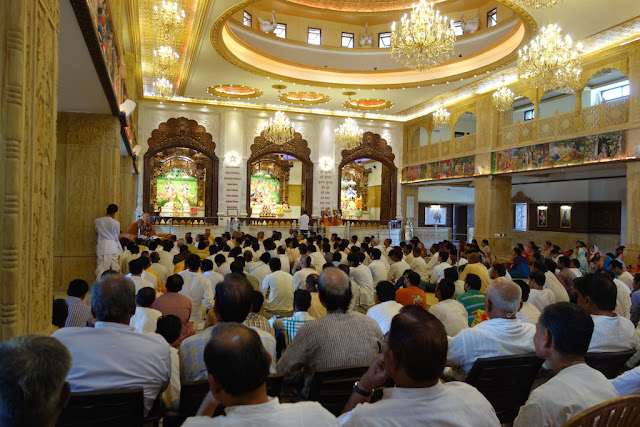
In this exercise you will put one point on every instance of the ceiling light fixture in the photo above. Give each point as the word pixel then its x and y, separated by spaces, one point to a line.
pixel 423 40
pixel 279 130
pixel 551 62
pixel 163 88
pixel 503 98
pixel 348 135
pixel 441 117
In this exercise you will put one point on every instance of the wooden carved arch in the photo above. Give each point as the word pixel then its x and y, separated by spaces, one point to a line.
pixel 184 133
pixel 376 148
pixel 297 148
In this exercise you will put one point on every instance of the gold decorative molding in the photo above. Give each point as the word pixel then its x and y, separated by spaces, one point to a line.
pixel 368 104
pixel 234 91
pixel 305 98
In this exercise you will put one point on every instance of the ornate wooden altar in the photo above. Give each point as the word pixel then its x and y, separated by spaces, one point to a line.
pixel 277 167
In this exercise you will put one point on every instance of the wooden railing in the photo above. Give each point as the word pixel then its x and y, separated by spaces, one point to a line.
pixel 590 119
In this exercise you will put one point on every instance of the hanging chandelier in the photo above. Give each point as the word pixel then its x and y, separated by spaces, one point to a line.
pixel 423 40
pixel 441 117
pixel 163 88
pixel 551 62
pixel 538 4
pixel 168 19
pixel 165 57
pixel 279 130
pixel 348 135
pixel 503 99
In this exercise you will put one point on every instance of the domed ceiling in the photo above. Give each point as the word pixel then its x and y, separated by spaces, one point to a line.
pixel 228 59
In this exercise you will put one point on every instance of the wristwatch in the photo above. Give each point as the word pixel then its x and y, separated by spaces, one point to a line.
pixel 360 391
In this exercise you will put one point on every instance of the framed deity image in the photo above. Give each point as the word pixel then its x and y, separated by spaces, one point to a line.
pixel 565 216
pixel 435 215
pixel 542 216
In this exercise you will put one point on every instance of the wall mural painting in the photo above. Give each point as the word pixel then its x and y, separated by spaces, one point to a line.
pixel 265 193
pixel 575 151
pixel 444 169
pixel 100 10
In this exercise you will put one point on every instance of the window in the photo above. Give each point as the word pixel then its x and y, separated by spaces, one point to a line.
pixel 520 211
pixel 384 40
pixel 347 40
pixel 528 115
pixel 246 18
pixel 616 92
pixel 457 28
pixel 280 31
pixel 492 18
pixel 313 36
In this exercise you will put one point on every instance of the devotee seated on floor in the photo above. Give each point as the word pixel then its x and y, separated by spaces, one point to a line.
pixel 79 312
pixel 339 338
pixel 562 338
pixel 528 313
pixel 237 367
pixel 386 305
pixel 94 350
pixel 233 303
pixel 502 335
pixel 418 398
pixel 612 332
pixel 33 390
pixel 450 312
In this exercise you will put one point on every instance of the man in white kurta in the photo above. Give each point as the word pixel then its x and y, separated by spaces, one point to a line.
pixel 386 305
pixel 450 312
pixel 419 265
pixel 502 335
pixel 277 287
pixel 562 337
pixel 398 266
pixel 301 275
pixel 418 398
pixel 363 277
pixel 108 247
pixel 197 288
pixel 379 269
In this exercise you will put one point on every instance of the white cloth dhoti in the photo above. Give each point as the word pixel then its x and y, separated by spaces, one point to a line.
pixel 106 262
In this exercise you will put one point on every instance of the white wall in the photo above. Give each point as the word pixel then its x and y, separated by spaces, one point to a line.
pixel 445 194
pixel 440 134
pixel 610 189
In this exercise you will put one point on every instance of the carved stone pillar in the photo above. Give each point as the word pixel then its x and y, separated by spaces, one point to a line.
pixel 633 213
pixel 493 212
pixel 28 75
pixel 87 181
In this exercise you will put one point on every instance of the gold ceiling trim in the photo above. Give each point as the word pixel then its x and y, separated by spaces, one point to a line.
pixel 304 98
pixel 220 35
pixel 194 41
pixel 234 91
pixel 367 104
pixel 356 6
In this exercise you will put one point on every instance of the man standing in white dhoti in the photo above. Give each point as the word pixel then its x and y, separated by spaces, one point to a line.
pixel 108 248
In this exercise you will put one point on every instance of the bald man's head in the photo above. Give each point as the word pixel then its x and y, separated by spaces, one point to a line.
pixel 334 289
pixel 236 359
pixel 473 257
pixel 505 297
pixel 113 299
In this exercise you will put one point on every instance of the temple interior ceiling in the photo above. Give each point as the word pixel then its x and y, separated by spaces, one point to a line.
pixel 217 49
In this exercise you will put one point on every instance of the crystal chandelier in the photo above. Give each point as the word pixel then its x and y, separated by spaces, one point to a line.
pixel 278 130
pixel 168 18
pixel 503 99
pixel 441 117
pixel 165 57
pixel 551 62
pixel 538 4
pixel 423 40
pixel 349 134
pixel 163 88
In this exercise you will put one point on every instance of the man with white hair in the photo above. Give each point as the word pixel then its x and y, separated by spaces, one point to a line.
pixel 97 353
pixel 504 334
pixel 33 390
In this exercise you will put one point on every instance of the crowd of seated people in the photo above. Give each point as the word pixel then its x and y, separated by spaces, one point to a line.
pixel 234 309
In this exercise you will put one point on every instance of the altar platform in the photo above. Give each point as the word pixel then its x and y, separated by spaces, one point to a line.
pixel 218 225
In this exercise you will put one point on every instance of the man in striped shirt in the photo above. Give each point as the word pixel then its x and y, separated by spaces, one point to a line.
pixel 473 298
pixel 79 312
pixel 340 338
